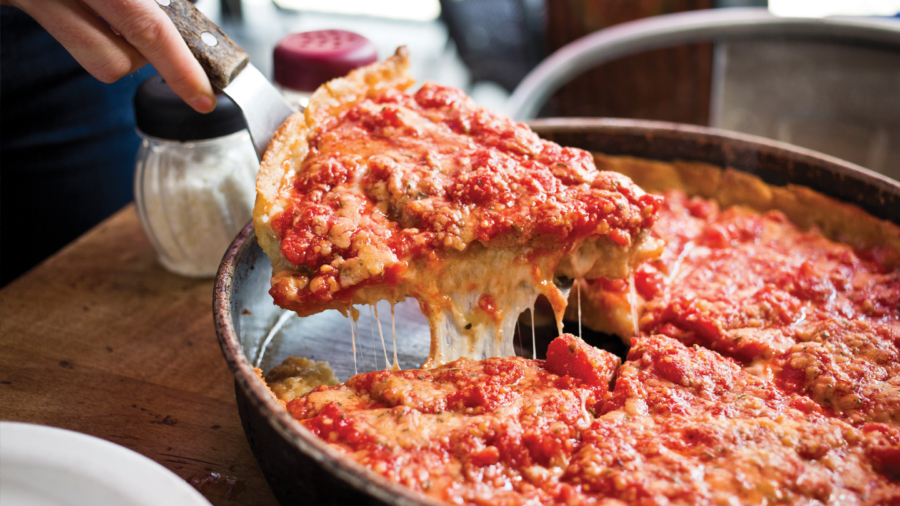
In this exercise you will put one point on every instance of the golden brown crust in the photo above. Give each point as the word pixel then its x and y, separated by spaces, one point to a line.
pixel 343 92
pixel 298 376
pixel 806 208
pixel 291 135
pixel 290 145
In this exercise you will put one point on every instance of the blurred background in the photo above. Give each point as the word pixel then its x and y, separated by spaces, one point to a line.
pixel 842 99
pixel 828 95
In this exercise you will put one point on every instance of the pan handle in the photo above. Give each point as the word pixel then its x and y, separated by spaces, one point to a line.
pixel 219 56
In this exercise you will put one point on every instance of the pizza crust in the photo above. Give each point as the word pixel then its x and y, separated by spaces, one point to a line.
pixel 806 208
pixel 290 145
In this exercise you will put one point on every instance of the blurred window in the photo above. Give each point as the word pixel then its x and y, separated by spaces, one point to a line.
pixel 411 10
pixel 822 8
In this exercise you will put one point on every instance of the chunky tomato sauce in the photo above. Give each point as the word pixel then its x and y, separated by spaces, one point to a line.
pixel 472 431
pixel 818 317
pixel 689 426
pixel 726 271
pixel 681 426
pixel 766 365
pixel 767 370
pixel 400 176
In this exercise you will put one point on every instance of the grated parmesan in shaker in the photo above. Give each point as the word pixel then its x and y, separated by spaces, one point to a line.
pixel 195 178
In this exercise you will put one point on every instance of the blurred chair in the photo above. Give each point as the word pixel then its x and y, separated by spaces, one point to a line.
pixel 832 85
pixel 665 84
pixel 499 40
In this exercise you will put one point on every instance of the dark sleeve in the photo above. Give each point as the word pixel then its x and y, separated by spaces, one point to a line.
pixel 68 144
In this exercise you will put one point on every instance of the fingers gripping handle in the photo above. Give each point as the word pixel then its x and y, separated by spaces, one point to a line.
pixel 219 56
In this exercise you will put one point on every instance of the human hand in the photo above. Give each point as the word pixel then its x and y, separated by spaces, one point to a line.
pixel 130 34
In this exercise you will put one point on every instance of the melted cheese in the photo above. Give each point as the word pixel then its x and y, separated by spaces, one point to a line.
pixel 472 312
pixel 396 365
pixel 381 334
pixel 353 334
pixel 378 194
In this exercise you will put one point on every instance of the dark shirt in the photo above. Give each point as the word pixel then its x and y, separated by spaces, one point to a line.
pixel 67 145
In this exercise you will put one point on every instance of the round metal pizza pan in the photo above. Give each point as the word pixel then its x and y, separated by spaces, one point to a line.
pixel 255 334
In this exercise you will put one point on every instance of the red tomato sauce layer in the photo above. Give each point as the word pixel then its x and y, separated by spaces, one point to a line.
pixel 682 425
pixel 792 305
pixel 398 176
pixel 470 431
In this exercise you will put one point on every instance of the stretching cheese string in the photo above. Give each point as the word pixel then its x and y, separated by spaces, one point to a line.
pixel 285 316
pixel 380 333
pixel 394 334
pixel 519 333
pixel 353 340
pixel 533 339
pixel 372 330
pixel 578 287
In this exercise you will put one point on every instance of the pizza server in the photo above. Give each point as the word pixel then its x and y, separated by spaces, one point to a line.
pixel 230 70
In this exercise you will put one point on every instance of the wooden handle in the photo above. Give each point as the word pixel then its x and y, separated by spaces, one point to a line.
pixel 219 56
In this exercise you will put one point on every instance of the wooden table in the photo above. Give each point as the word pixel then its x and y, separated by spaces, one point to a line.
pixel 102 340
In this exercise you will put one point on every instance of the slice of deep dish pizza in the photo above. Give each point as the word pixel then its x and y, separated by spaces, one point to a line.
pixel 376 193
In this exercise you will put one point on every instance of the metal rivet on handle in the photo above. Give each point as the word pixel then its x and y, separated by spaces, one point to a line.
pixel 207 38
pixel 164 3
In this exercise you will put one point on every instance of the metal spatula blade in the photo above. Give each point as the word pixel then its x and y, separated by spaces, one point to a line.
pixel 229 69
pixel 263 106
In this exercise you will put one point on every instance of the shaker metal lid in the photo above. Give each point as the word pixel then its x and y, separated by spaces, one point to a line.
pixel 159 112
pixel 304 61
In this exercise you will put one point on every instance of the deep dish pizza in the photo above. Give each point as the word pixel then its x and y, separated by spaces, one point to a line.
pixel 378 194
pixel 764 336
pixel 763 397
pixel 682 425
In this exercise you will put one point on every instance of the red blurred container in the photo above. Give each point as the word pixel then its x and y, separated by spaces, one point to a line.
pixel 304 61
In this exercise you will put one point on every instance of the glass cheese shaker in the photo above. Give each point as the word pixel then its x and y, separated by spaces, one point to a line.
pixel 195 178
pixel 304 61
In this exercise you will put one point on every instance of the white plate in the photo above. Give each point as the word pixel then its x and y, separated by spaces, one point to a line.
pixel 46 466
